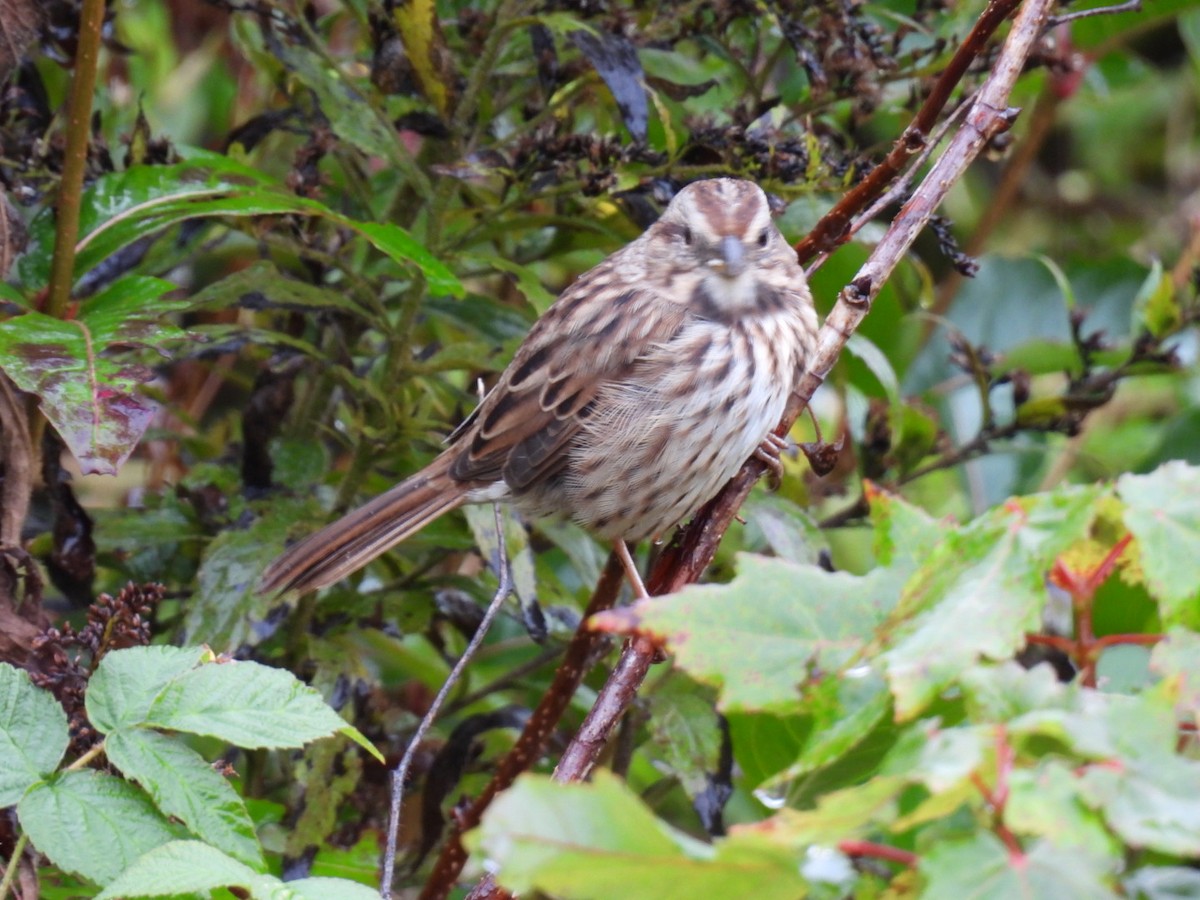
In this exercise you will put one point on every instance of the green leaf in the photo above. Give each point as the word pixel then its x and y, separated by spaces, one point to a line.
pixel 350 114
pixel 1047 801
pixel 1154 308
pixel 327 772
pixel 1150 802
pixel 119 202
pixel 33 734
pixel 180 867
pixel 1163 883
pixel 1163 512
pixel 880 366
pixel 127 682
pixel 685 732
pixel 1177 660
pixel 982 867
pixel 91 823
pixel 187 867
pixel 187 788
pixel 90 396
pixel 227 610
pixel 783 527
pixel 262 285
pixel 124 207
pixel 323 889
pixel 400 246
pixel 246 704
pixel 758 637
pixel 905 534
pixel 599 841
pixel 979 592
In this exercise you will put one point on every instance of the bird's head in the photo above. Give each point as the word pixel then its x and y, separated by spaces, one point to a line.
pixel 719 234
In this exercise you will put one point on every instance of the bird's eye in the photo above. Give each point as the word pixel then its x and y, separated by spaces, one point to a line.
pixel 763 238
pixel 687 236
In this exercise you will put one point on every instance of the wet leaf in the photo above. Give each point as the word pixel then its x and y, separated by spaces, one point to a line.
pixel 87 392
pixel 599 841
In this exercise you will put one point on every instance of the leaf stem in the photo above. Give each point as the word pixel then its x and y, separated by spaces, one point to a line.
pixel 14 863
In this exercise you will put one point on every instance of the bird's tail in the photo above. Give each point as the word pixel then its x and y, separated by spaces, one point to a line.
pixel 354 540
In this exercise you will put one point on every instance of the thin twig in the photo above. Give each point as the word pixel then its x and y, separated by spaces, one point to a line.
pixel 831 230
pixel 532 742
pixel 401 773
pixel 1130 6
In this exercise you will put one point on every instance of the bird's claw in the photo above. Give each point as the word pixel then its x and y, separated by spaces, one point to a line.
pixel 769 453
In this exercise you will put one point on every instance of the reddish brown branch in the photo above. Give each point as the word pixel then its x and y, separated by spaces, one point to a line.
pixel 833 229
pixel 871 850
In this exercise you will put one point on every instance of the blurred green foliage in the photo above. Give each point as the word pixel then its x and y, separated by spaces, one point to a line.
pixel 362 207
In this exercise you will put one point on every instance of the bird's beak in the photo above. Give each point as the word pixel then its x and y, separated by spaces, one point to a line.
pixel 732 259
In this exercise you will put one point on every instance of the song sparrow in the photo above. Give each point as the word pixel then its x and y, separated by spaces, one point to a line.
pixel 637 395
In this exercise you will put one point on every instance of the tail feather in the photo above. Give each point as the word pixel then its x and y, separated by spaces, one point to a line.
pixel 351 542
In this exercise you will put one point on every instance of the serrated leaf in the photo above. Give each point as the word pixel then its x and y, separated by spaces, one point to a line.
pixel 848 813
pixel 33 734
pixel 758 637
pixel 185 867
pixel 91 397
pixel 1177 660
pixel 599 841
pixel 246 704
pixel 1163 513
pixel 127 682
pixel 982 867
pixel 1047 801
pixel 979 592
pixel 905 534
pixel 180 867
pixel 1150 802
pixel 187 788
pixel 91 823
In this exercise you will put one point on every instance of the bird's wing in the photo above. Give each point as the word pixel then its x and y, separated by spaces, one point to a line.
pixel 581 343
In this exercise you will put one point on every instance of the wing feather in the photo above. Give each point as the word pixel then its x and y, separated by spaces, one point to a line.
pixel 582 343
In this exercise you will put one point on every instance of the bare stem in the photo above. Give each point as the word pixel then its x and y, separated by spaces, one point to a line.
pixel 401 773
pixel 79 132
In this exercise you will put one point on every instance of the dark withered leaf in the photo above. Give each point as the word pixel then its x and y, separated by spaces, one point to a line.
pixel 615 59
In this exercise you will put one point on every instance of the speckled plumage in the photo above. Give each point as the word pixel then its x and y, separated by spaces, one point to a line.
pixel 634 398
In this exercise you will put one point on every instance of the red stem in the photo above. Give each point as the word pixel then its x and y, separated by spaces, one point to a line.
pixel 872 850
